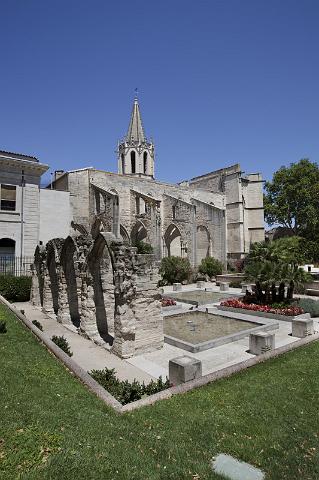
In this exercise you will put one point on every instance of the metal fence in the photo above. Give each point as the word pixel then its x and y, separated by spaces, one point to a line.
pixel 11 265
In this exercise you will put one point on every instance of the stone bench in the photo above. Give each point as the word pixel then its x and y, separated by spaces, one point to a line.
pixel 183 369
pixel 302 327
pixel 177 287
pixel 224 286
pixel 261 342
pixel 200 284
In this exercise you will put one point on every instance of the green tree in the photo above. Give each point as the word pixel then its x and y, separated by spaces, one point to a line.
pixel 292 198
pixel 175 269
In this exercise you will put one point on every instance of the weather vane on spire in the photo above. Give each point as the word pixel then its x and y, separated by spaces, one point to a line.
pixel 136 93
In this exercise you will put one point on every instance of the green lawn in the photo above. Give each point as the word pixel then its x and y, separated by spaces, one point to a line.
pixel 51 427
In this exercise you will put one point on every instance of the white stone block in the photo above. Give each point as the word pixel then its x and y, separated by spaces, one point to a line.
pixel 177 287
pixel 224 286
pixel 183 369
pixel 245 287
pixel 261 342
pixel 200 284
pixel 302 327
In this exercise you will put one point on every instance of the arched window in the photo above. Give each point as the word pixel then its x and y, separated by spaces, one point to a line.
pixel 133 162
pixel 123 163
pixel 145 163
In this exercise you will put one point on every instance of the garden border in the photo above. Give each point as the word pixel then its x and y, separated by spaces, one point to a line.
pixel 274 316
pixel 107 398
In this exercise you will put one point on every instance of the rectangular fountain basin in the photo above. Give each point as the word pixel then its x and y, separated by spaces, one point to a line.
pixel 199 297
pixel 198 331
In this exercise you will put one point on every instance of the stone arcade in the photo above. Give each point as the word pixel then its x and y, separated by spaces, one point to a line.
pixel 102 287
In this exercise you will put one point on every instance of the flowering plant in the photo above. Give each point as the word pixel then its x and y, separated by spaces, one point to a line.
pixel 167 302
pixel 290 311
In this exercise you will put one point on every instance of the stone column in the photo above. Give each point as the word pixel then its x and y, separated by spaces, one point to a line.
pixel 47 306
pixel 35 289
pixel 125 293
pixel 63 315
pixel 149 334
pixel 88 324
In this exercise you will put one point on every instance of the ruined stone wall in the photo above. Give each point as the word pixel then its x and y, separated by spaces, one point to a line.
pixel 103 288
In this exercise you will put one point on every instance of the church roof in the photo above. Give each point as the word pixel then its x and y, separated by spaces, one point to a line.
pixel 135 131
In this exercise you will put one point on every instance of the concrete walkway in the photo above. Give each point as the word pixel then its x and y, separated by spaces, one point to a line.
pixel 86 353
pixel 152 365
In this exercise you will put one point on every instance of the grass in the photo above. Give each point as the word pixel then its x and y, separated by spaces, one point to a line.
pixel 52 427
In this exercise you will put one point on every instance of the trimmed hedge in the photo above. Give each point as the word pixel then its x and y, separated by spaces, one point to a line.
pixel 125 391
pixel 15 289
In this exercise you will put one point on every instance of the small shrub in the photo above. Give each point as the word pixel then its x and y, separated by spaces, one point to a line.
pixel 211 266
pixel 37 324
pixel 62 343
pixel 3 326
pixel 15 289
pixel 309 306
pixel 125 391
pixel 175 269
pixel 144 248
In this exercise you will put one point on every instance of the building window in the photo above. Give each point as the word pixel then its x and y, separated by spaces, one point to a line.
pixel 145 163
pixel 174 211
pixel 8 197
pixel 133 162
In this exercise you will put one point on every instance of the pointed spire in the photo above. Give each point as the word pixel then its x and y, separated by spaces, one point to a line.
pixel 135 130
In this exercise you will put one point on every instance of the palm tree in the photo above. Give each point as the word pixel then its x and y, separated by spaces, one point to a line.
pixel 268 265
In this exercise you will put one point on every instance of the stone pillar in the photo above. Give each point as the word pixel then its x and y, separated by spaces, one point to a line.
pixel 183 369
pixel 125 293
pixel 302 327
pixel 63 315
pixel 47 306
pixel 35 289
pixel 88 324
pixel 149 333
pixel 261 342
pixel 224 286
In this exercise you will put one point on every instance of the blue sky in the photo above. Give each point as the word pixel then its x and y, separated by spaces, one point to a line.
pixel 219 82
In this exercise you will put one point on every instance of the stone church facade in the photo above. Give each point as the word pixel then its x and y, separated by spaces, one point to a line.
pixel 218 214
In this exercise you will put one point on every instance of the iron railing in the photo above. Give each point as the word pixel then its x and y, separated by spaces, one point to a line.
pixel 11 265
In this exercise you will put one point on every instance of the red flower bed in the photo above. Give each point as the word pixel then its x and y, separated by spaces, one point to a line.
pixel 289 311
pixel 167 302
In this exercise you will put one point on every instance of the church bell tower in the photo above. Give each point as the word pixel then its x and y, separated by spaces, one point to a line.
pixel 136 152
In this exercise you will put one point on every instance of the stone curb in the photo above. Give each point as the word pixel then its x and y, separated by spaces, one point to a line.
pixel 165 394
pixel 78 371
pixel 223 373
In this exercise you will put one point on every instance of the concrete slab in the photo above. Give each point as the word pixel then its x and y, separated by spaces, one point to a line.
pixel 233 469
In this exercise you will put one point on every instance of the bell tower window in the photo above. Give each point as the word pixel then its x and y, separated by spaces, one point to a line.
pixel 145 163
pixel 133 162
pixel 123 163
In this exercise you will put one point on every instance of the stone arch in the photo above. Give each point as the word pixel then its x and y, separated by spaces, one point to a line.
pixel 125 236
pixel 173 241
pixel 202 243
pixel 101 284
pixel 138 233
pixel 71 276
pixel 53 250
